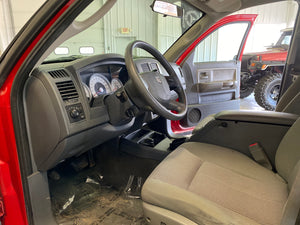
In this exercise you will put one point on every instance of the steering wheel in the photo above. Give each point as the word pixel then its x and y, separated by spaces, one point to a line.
pixel 152 90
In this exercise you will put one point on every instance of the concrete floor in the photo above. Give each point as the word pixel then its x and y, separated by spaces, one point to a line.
pixel 249 103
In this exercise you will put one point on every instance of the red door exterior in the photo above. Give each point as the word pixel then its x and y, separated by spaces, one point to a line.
pixel 10 176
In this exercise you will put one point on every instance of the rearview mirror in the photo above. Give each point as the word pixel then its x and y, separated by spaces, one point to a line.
pixel 167 9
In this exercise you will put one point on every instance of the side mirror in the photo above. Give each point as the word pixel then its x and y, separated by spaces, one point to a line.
pixel 167 9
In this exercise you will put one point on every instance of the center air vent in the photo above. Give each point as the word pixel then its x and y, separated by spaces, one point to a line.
pixel 58 74
pixel 67 90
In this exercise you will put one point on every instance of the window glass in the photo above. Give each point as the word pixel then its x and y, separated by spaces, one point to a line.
pixel 221 45
pixel 127 21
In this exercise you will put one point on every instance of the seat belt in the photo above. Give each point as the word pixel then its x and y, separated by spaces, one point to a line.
pixel 259 155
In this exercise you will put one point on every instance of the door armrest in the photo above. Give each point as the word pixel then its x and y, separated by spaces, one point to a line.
pixel 267 117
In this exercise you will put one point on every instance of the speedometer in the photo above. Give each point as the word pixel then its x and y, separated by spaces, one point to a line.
pixel 116 84
pixel 99 85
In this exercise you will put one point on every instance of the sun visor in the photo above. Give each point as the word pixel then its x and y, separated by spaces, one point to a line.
pixel 224 5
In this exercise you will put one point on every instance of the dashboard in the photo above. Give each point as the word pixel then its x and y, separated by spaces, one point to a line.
pixel 65 105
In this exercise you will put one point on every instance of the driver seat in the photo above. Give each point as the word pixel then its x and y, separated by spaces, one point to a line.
pixel 202 183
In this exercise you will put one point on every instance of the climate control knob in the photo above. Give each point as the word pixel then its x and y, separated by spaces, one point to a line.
pixel 74 113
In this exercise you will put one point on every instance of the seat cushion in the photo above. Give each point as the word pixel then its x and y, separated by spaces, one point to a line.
pixel 210 184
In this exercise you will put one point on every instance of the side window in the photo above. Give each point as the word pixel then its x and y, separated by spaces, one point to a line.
pixel 221 45
pixel 286 40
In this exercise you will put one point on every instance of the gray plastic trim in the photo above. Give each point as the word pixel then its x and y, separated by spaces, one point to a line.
pixel 258 117
pixel 206 110
pixel 53 137
pixel 40 199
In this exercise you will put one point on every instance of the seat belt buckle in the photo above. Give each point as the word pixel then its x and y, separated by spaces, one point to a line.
pixel 259 155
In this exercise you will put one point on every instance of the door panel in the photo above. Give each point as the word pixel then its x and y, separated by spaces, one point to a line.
pixel 211 88
pixel 212 77
pixel 212 72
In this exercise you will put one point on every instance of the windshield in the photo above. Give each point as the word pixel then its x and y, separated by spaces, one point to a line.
pixel 286 40
pixel 127 21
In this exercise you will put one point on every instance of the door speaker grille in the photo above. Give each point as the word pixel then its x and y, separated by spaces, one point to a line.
pixel 194 115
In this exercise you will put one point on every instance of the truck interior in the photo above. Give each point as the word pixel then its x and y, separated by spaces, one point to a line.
pixel 134 136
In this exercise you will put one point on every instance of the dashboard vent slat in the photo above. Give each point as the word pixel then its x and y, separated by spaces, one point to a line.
pixel 67 90
pixel 58 74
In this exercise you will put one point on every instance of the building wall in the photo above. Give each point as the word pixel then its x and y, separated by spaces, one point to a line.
pixel 169 29
pixel 140 24
pixel 13 16
pixel 116 29
pixel 91 38
pixel 271 19
pixel 6 24
pixel 23 10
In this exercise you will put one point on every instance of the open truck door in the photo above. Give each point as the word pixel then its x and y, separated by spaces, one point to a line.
pixel 212 66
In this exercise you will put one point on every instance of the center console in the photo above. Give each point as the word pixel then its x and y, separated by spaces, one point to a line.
pixel 146 143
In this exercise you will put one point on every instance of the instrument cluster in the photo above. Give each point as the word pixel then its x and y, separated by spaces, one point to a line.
pixel 99 83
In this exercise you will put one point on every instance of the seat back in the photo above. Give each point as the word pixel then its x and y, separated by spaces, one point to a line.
pixel 289 102
pixel 288 152
pixel 291 210
pixel 287 163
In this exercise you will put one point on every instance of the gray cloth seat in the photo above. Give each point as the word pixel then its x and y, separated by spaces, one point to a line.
pixel 290 101
pixel 201 183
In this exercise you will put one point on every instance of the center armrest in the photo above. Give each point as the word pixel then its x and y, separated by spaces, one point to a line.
pixel 258 117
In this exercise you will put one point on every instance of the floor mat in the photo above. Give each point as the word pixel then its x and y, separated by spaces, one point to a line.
pixel 85 199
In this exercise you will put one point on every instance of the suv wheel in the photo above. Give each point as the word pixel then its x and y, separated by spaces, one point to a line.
pixel 246 87
pixel 266 91
pixel 245 91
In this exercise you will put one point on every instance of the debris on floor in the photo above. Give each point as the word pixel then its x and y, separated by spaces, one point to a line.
pixel 69 202
pixel 91 181
pixel 85 199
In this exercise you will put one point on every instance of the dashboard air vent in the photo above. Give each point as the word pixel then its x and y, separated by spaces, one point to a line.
pixel 58 74
pixel 67 90
pixel 145 67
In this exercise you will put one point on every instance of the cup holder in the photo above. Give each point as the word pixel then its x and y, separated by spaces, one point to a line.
pixel 146 137
pixel 152 139
pixel 148 142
